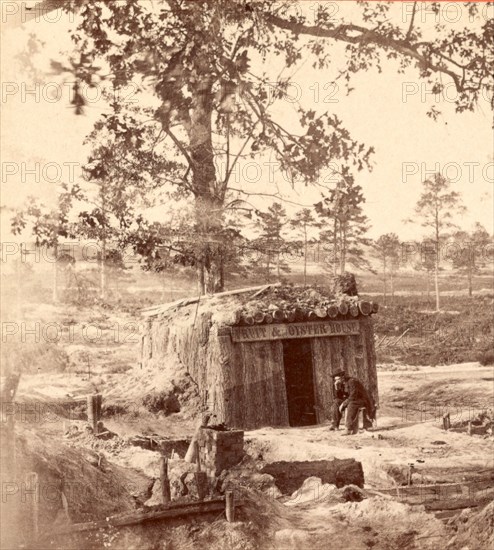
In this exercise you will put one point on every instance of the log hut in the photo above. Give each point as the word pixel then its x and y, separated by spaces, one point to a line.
pixel 264 357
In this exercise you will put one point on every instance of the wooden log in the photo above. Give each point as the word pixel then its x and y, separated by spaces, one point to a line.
pixel 264 288
pixel 165 481
pixel 268 318
pixel 8 453
pixel 191 455
pixel 375 307
pixel 92 417
pixel 290 316
pixel 9 387
pixel 343 308
pixel 99 405
pixel 134 518
pixel 230 506
pixel 32 488
pixel 400 337
pixel 299 314
pixel 446 421
pixel 345 284
pixel 278 315
pixel 354 310
pixel 258 317
pixel 321 312
pixel 365 307
pixel 333 311
pixel 197 455
pixel 156 310
pixel 289 476
pixel 201 484
pixel 248 319
pixel 312 316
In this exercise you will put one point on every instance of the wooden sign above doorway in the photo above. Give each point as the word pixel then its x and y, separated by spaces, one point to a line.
pixel 295 330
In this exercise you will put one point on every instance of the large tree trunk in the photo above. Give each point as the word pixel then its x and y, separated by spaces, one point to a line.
pixel 208 203
pixel 436 277
pixel 392 284
pixel 342 249
pixel 384 281
pixel 55 274
pixel 305 255
pixel 102 267
pixel 278 261
pixel 335 247
pixel 436 287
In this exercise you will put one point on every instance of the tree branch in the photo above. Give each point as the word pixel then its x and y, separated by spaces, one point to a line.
pixel 356 34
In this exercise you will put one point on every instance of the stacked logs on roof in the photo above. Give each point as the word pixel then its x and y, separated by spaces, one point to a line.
pixel 283 312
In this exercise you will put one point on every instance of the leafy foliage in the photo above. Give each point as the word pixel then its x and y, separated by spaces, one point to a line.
pixel 210 108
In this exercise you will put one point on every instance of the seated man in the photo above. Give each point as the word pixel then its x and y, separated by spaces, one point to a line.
pixel 358 398
pixel 340 394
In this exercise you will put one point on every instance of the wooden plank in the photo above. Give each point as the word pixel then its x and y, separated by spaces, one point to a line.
pixel 164 479
pixel 257 396
pixel 322 362
pixel 230 506
pixel 172 511
pixel 369 357
pixel 156 310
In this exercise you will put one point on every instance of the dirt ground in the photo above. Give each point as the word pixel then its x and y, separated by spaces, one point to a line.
pixel 408 431
pixel 53 441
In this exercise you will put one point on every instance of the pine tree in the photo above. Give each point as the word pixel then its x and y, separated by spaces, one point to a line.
pixel 271 242
pixel 469 252
pixel 303 221
pixel 387 250
pixel 346 224
pixel 436 207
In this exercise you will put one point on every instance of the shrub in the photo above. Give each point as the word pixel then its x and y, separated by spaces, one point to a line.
pixel 165 402
pixel 486 358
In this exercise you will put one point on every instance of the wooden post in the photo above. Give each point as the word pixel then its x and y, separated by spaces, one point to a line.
pixel 229 506
pixel 446 421
pixel 92 413
pixel 200 476
pixel 202 484
pixel 198 458
pixel 409 474
pixel 165 481
pixel 9 406
pixel 32 488
pixel 469 430
pixel 9 446
pixel 99 405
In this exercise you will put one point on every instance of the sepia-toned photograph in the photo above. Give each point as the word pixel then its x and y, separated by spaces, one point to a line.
pixel 247 275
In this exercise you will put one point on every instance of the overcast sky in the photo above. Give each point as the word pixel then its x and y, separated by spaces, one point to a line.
pixel 386 111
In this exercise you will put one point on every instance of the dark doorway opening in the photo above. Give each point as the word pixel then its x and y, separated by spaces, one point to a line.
pixel 299 378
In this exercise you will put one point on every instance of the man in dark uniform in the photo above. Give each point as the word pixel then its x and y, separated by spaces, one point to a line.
pixel 340 395
pixel 357 398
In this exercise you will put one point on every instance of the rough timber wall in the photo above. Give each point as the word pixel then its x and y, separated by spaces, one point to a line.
pixel 353 354
pixel 253 384
pixel 243 384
